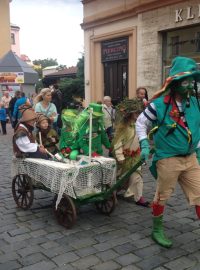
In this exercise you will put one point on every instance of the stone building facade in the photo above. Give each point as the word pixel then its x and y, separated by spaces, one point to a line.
pixel 5 44
pixel 152 32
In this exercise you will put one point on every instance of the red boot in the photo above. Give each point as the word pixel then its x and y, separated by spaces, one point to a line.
pixel 197 207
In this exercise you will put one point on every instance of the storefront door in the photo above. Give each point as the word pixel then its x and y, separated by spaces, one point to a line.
pixel 116 80
pixel 115 62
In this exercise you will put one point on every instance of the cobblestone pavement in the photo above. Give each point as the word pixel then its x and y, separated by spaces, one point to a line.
pixel 32 239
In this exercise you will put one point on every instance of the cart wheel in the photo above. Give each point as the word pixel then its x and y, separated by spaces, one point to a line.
pixel 65 212
pixel 22 190
pixel 107 206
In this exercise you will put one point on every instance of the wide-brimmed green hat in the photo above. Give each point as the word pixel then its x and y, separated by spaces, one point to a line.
pixel 182 67
pixel 97 109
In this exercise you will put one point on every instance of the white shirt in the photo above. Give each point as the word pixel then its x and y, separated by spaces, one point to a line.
pixel 109 116
pixel 25 145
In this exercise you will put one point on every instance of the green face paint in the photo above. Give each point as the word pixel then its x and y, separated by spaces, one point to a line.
pixel 186 86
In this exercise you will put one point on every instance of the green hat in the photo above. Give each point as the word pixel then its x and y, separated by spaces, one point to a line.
pixel 182 67
pixel 97 109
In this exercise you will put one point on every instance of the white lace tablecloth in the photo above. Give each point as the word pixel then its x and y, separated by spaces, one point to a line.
pixel 71 178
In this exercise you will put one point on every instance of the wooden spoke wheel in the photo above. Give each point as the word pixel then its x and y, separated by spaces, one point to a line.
pixel 65 212
pixel 107 206
pixel 22 190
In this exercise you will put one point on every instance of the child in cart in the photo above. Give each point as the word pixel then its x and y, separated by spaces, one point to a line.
pixel 126 148
pixel 24 144
pixel 45 134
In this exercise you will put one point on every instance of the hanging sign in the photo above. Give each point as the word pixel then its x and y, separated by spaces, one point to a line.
pixel 11 77
pixel 113 50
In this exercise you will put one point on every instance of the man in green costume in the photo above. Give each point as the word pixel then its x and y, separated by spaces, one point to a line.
pixel 174 116
pixel 99 135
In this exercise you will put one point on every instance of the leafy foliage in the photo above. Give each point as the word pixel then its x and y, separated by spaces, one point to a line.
pixel 46 62
pixel 42 63
pixel 73 88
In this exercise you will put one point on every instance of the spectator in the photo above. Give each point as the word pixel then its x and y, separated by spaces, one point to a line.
pixel 32 98
pixel 141 93
pixel 3 118
pixel 109 116
pixel 57 100
pixel 19 102
pixel 43 105
pixel 11 106
pixel 6 100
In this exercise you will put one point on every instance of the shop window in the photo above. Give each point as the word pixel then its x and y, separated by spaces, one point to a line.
pixel 180 41
pixel 175 45
pixel 12 38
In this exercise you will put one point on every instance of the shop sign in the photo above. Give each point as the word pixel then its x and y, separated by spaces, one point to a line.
pixel 11 77
pixel 113 50
pixel 189 13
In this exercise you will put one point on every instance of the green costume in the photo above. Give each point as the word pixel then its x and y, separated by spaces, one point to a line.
pixel 174 114
pixel 99 135
pixel 125 144
pixel 68 143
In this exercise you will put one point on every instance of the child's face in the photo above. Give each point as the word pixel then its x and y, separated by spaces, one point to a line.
pixel 44 124
pixel 141 93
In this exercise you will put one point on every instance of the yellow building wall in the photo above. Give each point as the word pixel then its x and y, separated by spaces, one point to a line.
pixel 5 41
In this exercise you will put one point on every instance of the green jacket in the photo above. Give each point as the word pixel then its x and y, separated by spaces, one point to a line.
pixel 172 138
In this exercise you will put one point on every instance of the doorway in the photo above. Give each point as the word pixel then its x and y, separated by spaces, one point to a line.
pixel 116 80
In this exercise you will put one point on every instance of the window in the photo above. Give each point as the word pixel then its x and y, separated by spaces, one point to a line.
pixel 175 45
pixel 12 38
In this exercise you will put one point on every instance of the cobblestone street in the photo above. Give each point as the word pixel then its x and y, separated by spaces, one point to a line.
pixel 32 239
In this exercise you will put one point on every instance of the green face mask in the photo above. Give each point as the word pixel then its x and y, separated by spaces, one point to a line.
pixel 186 86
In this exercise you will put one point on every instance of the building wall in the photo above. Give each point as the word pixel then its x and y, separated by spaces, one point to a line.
pixel 5 44
pixel 15 46
pixel 150 27
pixel 94 85
pixel 144 23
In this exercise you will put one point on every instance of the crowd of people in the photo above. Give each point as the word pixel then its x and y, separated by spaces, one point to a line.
pixel 169 120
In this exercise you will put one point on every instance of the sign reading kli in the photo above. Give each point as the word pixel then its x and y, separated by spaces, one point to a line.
pixel 188 13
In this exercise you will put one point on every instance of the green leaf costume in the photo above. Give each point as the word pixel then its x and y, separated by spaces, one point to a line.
pixel 68 143
pixel 99 136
